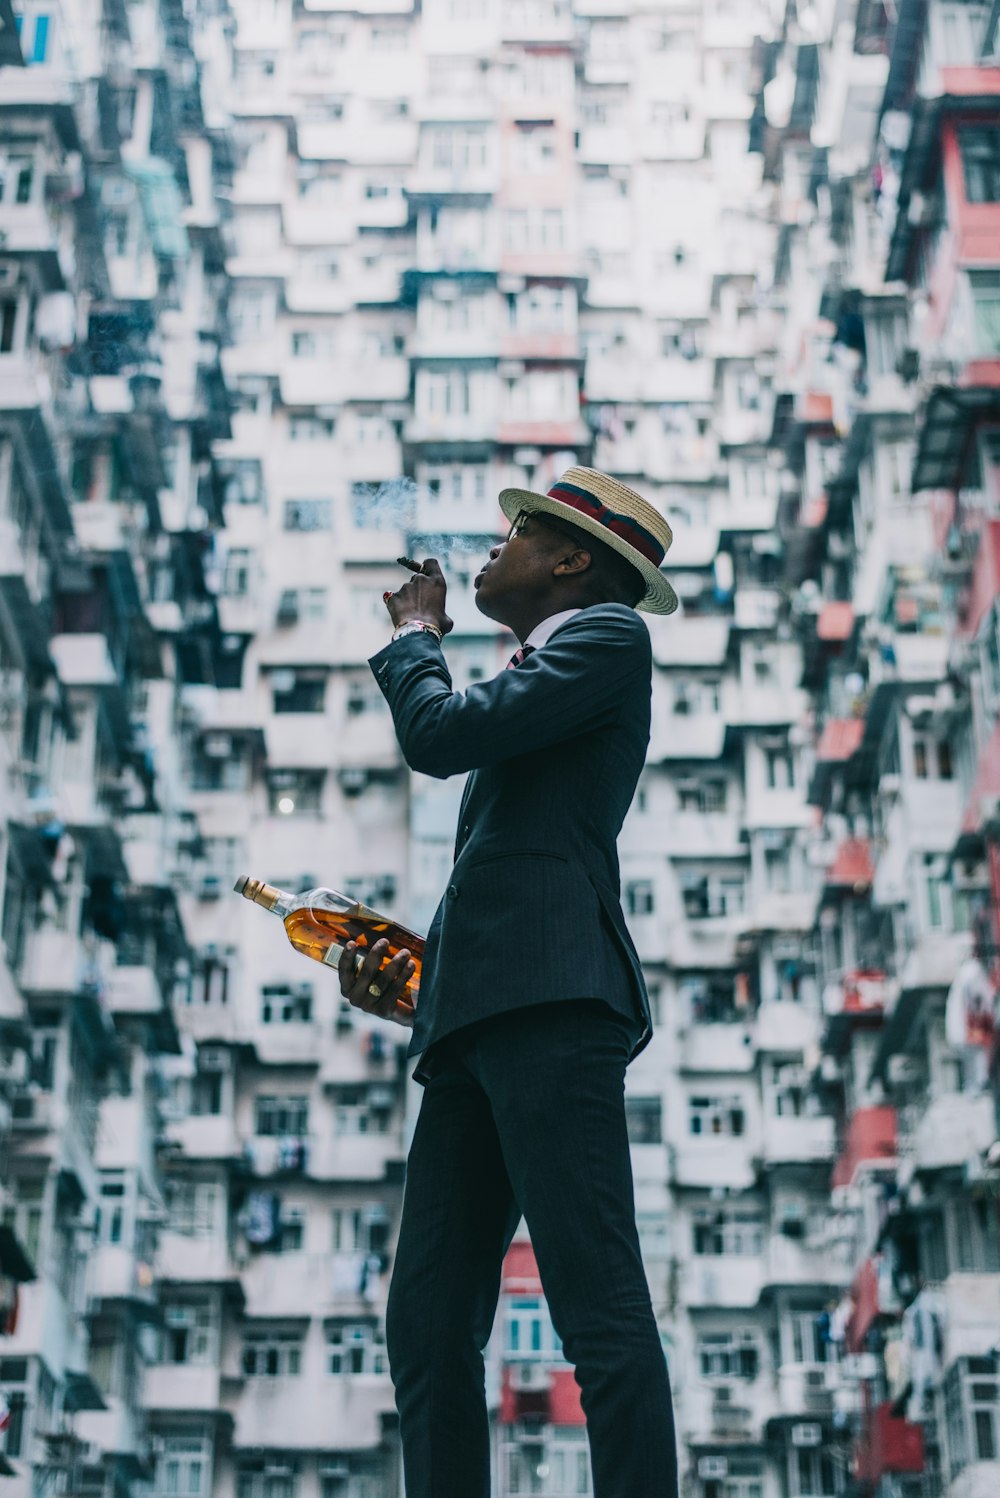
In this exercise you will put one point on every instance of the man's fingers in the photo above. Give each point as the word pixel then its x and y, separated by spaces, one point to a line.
pixel 432 568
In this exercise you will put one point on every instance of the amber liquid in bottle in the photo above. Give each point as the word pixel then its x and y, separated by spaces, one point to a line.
pixel 321 922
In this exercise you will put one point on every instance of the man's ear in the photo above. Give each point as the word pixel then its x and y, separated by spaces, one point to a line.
pixel 576 561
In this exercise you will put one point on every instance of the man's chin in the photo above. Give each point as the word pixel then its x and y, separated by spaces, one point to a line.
pixel 486 607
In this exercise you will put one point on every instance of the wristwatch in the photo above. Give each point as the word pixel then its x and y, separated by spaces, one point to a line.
pixel 414 626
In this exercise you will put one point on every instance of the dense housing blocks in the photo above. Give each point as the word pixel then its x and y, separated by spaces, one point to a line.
pixel 288 289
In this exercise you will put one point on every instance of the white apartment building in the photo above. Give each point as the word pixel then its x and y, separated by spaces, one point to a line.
pixel 288 290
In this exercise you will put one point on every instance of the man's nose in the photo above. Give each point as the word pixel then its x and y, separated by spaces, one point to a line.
pixel 495 551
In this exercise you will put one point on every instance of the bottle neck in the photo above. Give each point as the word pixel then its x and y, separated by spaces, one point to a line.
pixel 269 896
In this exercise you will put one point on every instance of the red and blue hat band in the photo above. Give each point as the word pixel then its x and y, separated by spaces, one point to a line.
pixel 623 526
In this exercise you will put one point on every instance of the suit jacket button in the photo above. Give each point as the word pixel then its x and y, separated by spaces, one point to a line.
pixel 452 892
pixel 466 830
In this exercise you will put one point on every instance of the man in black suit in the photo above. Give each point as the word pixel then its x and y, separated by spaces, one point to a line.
pixel 531 1001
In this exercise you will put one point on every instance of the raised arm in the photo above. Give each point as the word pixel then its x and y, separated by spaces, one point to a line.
pixel 574 683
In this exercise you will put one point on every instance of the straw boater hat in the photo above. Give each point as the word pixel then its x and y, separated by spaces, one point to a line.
pixel 614 514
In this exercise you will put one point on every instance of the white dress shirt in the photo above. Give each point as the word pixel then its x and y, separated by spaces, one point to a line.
pixel 541 632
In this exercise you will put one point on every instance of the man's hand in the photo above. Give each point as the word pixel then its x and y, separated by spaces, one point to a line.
pixel 391 980
pixel 423 597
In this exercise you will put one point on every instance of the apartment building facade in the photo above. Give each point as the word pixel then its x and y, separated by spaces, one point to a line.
pixel 290 290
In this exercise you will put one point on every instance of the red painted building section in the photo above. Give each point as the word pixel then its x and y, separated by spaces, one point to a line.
pixel 558 1403
pixel 984 585
pixel 852 866
pixel 890 1445
pixel 871 1136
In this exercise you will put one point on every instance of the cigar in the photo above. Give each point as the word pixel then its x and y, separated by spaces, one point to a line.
pixel 410 563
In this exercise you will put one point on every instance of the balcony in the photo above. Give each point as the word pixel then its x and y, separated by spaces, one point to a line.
pixel 870 1141
pixel 712 1162
pixel 792 1141
pixel 177 1388
pixel 357 1157
pixel 724 1281
pixel 951 1130
pixel 212 1137
pixel 717 1048
pixel 184 1259
pixel 790 1262
pixel 135 990
pixel 934 960
pixel 353 1410
pixel 114 1273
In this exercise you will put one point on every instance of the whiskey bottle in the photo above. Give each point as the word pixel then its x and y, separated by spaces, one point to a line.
pixel 320 923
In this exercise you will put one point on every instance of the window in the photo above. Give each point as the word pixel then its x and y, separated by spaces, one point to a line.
pixel 307 515
pixel 310 429
pixel 303 693
pixel 183 1467
pixel 314 344
pixel 723 1117
pixel 728 1230
pixel 985 288
pixel 711 896
pixel 353 1476
pixel 14 1380
pixel 285 1004
pixel 743 1479
pixel 190 1333
pixel 728 1355
pixel 276 1476
pixel 360 1230
pixel 972 1412
pixel 8 323
pixel 295 792
pixel 980 147
pixel 814 1473
pixel 293 1230
pixel 282 1116
pixel 17 176
pixel 355 1347
pixel 640 897
pixel 362 1109
pixel 527 1329
pixel 112 1210
pixel 24 1212
pixel 779 765
pixel 196 1207
pixel 238 572
pixel 272 1354
pixel 644 1119
pixel 701 795
pixel 803 1339
pixel 35 35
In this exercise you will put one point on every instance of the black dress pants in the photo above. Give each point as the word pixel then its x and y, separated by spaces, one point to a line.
pixel 524 1113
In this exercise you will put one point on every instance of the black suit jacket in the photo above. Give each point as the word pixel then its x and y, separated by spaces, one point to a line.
pixel 532 913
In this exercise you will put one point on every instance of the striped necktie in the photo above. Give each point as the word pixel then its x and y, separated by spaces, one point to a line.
pixel 519 655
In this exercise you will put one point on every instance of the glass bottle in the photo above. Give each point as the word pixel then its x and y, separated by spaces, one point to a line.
pixel 320 923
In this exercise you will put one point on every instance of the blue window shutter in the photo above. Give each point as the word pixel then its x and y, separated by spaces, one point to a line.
pixel 41 39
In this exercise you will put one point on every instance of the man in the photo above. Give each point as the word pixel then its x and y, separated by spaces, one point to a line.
pixel 531 999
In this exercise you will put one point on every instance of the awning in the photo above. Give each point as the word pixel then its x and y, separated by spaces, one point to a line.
pixel 81 1393
pixel 951 416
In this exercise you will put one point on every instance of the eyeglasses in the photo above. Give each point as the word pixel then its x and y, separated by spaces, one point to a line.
pixel 542 519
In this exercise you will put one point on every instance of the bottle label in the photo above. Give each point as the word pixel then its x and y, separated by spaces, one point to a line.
pixel 332 955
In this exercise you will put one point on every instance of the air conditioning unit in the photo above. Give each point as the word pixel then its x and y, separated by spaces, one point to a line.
pixel 807 1434
pixel 723 1394
pixel 713 1466
pixel 210 887
pixel 815 1378
pixel 529 1377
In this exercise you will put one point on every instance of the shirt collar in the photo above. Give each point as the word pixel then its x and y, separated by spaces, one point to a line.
pixel 541 632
